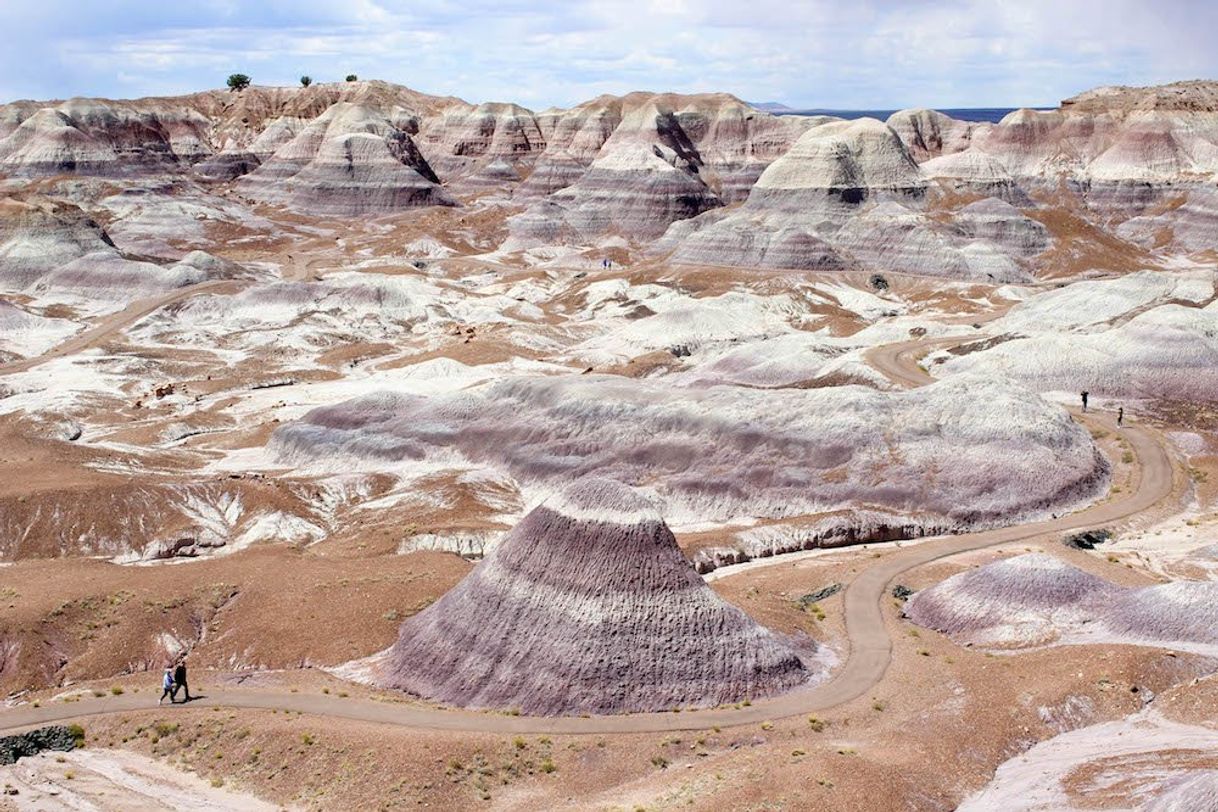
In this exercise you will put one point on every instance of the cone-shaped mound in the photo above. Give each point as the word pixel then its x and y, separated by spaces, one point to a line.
pixel 588 606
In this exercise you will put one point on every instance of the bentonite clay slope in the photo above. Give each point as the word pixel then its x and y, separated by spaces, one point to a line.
pixel 350 160
pixel 1036 599
pixel 589 606
pixel 108 137
pixel 633 165
pixel 847 194
pixel 961 453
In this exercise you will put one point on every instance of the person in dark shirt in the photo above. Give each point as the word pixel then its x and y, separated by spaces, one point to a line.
pixel 179 681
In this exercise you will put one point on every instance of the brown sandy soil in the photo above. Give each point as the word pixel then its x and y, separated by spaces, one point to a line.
pixel 267 607
pixel 1079 245
pixel 30 463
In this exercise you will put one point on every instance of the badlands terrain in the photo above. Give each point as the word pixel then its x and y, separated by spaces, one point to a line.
pixel 657 452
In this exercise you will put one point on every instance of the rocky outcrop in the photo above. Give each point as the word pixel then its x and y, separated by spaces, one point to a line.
pixel 52 248
pixel 483 145
pixel 651 160
pixel 847 195
pixel 61 738
pixel 1004 226
pixel 39 235
pixel 91 136
pixel 588 606
pixel 929 133
pixel 350 160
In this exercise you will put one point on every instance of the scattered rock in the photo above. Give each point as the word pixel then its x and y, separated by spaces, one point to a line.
pixel 1088 539
pixel 818 595
pixel 54 737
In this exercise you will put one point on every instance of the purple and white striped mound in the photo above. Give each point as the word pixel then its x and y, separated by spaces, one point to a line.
pixel 1037 599
pixel 588 606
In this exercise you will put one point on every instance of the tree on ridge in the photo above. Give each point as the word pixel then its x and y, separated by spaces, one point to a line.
pixel 238 82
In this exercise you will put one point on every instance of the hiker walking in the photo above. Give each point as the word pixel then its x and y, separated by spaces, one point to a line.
pixel 167 686
pixel 1085 394
pixel 1120 416
pixel 179 679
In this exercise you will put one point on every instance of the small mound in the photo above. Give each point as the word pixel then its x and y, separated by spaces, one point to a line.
pixel 1185 611
pixel 1023 600
pixel 589 606
pixel 1036 599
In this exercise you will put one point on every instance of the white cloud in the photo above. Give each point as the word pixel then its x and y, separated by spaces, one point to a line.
pixel 870 53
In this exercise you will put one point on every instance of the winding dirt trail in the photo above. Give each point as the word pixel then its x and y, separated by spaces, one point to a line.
pixel 870 647
pixel 121 320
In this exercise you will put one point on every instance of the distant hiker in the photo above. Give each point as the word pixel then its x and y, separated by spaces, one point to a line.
pixel 179 679
pixel 167 686
pixel 1085 393
pixel 1120 415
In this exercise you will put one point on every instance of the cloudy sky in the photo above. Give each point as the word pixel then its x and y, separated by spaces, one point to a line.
pixel 806 53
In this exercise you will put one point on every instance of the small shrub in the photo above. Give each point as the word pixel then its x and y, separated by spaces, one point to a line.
pixel 77 732
pixel 305 81
pixel 351 77
pixel 877 705
pixel 117 690
pixel 660 762
pixel 520 742
pixel 217 782
pixel 307 738
pixel 547 766
pixel 817 724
